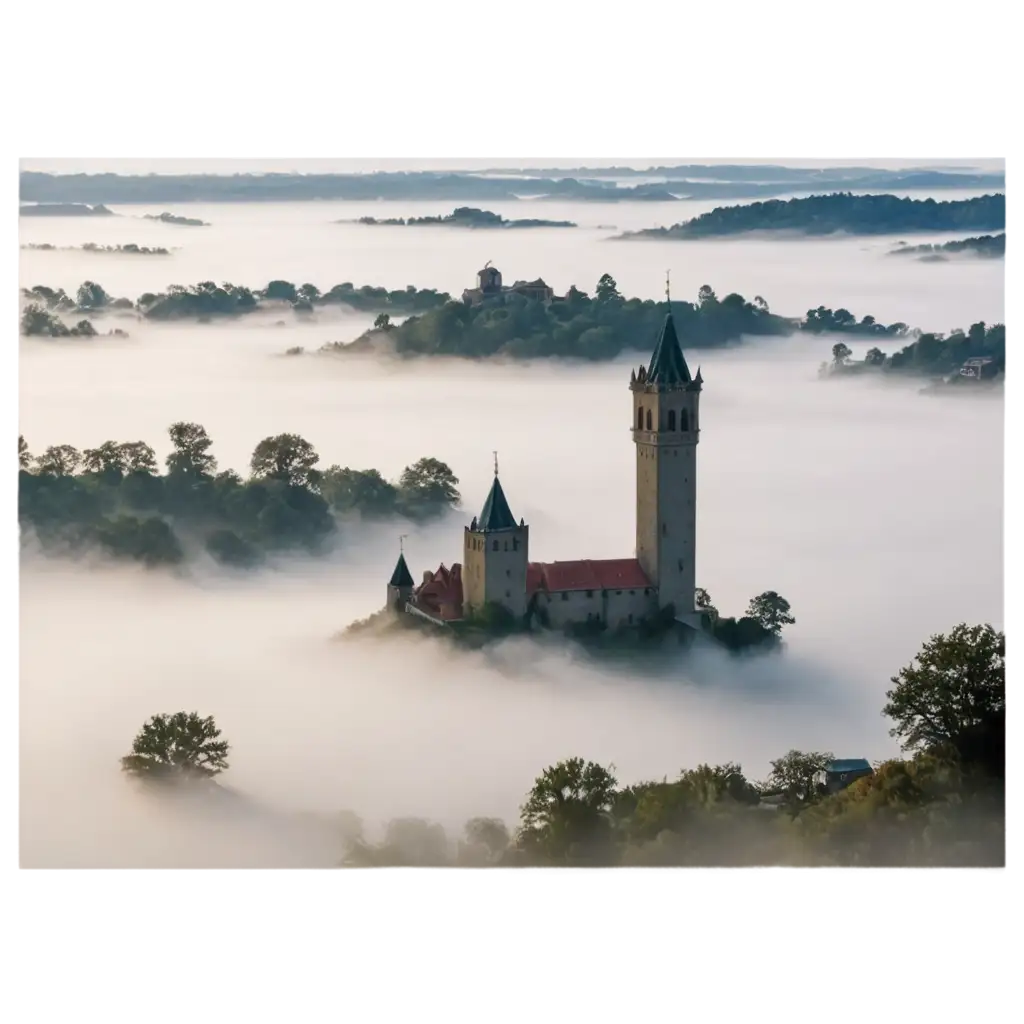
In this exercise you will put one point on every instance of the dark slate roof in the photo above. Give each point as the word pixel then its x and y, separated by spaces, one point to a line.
pixel 401 577
pixel 496 514
pixel 668 366
pixel 855 764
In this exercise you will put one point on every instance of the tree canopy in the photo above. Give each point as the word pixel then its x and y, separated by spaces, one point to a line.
pixel 178 746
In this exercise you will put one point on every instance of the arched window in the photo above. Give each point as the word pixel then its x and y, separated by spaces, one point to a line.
pixel 684 420
pixel 648 419
pixel 671 419
pixel 640 418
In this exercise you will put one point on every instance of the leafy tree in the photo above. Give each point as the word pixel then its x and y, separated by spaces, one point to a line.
pixel 874 357
pixel 706 296
pixel 91 296
pixel 59 460
pixel 178 746
pixel 486 842
pixel 795 774
pixel 108 459
pixel 607 290
pixel 191 456
pixel 428 486
pixel 286 457
pixel 567 815
pixel 362 490
pixel 761 304
pixel 771 611
pixel 24 455
pixel 841 352
pixel 150 540
pixel 702 599
pixel 954 698
pixel 382 323
pixel 309 292
pixel 229 549
pixel 138 457
pixel 280 290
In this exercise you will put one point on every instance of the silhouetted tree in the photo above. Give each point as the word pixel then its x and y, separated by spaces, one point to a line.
pixel 178 746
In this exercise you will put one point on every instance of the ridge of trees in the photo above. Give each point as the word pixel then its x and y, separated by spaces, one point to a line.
pixel 464 217
pixel 985 246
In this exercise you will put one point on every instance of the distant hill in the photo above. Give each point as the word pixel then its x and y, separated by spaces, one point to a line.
pixel 837 213
pixel 985 246
pixel 463 217
pixel 63 210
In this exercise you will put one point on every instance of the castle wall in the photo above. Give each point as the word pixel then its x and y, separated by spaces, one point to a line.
pixel 494 569
pixel 612 607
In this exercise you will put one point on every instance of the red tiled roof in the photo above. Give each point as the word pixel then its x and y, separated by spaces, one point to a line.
pixel 442 594
pixel 587 574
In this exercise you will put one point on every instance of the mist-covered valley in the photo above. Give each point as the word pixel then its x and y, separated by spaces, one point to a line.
pixel 875 510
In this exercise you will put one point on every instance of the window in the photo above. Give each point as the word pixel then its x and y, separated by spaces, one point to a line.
pixel 590 593
pixel 664 529
pixel 515 543
pixel 508 593
pixel 506 545
pixel 640 418
pixel 671 419
pixel 680 565
pixel 565 595
pixel 618 593
pixel 508 572
pixel 684 420
pixel 648 419
pixel 494 546
pixel 632 593
pixel 631 619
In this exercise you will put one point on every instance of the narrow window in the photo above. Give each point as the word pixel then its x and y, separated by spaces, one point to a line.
pixel 565 595
pixel 684 420
pixel 640 418
pixel 664 529
pixel 671 419
pixel 508 573
pixel 631 620
pixel 648 419
pixel 632 593
pixel 494 546
pixel 506 545
pixel 515 543
pixel 590 593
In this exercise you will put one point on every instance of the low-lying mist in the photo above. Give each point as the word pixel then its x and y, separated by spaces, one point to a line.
pixel 876 511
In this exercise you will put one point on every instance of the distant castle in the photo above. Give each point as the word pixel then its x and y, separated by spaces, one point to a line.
pixel 489 287
pixel 495 567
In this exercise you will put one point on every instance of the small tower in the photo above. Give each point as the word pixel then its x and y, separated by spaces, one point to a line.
pixel 400 585
pixel 495 553
pixel 666 429
pixel 488 280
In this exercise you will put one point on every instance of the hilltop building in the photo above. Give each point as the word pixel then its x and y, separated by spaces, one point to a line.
pixel 496 569
pixel 489 287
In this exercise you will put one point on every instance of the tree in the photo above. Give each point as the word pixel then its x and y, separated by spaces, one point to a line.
pixel 771 611
pixel 761 304
pixel 358 490
pixel 428 486
pixel 874 357
pixel 309 292
pixel 138 457
pixel 91 296
pixel 286 457
pixel 706 296
pixel 108 459
pixel 954 698
pixel 280 290
pixel 702 599
pixel 178 746
pixel 841 352
pixel 567 813
pixel 24 455
pixel 795 774
pixel 382 323
pixel 59 460
pixel 486 840
pixel 607 289
pixel 191 455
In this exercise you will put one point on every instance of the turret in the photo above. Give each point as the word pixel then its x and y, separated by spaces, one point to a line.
pixel 400 586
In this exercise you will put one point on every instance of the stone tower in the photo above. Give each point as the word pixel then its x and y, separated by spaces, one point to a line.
pixel 400 585
pixel 495 553
pixel 666 429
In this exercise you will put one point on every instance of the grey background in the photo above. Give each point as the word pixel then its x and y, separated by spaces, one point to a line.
pixel 156 947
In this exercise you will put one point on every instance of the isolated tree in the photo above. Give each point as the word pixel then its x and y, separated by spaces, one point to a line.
pixel 286 457
pixel 771 611
pixel 429 485
pixel 702 599
pixel 874 357
pixel 382 323
pixel 181 745
pixel 91 296
pixel 24 455
pixel 567 815
pixel 706 296
pixel 191 456
pixel 607 289
pixel 794 774
pixel 954 698
pixel 59 460
pixel 841 352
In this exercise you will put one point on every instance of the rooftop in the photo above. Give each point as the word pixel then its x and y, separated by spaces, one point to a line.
pixel 496 515
pixel 855 764
pixel 668 365
pixel 587 574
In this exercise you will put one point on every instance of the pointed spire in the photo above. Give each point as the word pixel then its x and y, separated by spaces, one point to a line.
pixel 668 365
pixel 496 514
pixel 401 577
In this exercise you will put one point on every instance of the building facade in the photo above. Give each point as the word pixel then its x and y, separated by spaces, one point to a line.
pixel 619 592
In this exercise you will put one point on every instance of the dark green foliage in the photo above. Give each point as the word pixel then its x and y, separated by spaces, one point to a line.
pixel 575 327
pixel 466 217
pixel 771 611
pixel 171 218
pixel 841 211
pixel 177 747
pixel 38 322
pixel 113 497
pixel 987 246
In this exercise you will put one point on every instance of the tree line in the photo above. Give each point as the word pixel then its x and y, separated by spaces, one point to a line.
pixel 988 246
pixel 114 498
pixel 942 805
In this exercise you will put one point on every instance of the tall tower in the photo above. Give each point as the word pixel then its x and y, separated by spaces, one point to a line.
pixel 666 429
pixel 495 553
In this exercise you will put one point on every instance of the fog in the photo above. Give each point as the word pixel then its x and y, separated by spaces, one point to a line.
pixel 876 511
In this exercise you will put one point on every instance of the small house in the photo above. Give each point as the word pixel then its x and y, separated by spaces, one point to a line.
pixel 840 774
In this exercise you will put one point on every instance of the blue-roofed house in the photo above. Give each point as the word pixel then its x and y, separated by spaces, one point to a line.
pixel 839 774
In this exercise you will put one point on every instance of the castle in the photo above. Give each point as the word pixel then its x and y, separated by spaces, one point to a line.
pixel 496 567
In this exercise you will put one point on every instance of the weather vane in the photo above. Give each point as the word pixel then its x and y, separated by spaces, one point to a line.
pixel 495 454
pixel 668 296
pixel 401 543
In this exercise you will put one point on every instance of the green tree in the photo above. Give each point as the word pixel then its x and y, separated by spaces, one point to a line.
pixel 841 352
pixel 702 599
pixel 382 323
pixel 138 457
pixel 795 774
pixel 108 459
pixel 607 290
pixel 24 455
pixel 59 460
pixel 286 457
pixel 954 698
pixel 178 746
pixel 309 292
pixel 428 486
pixel 874 357
pixel 359 490
pixel 486 842
pixel 280 290
pixel 91 296
pixel 770 610
pixel 706 297
pixel 567 815
pixel 191 456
